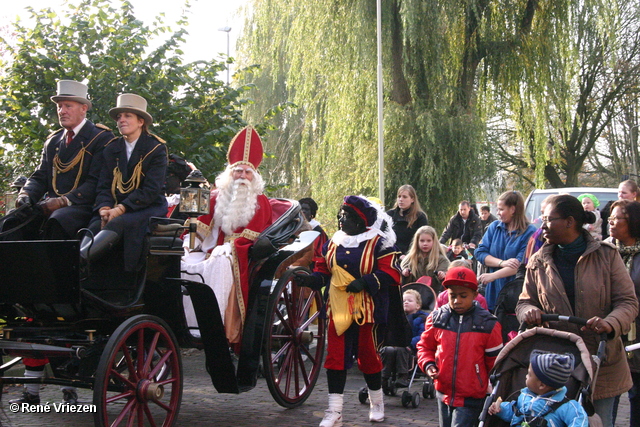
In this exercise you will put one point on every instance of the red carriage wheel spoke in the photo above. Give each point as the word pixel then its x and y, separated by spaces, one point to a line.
pixel 159 365
pixel 125 411
pixel 150 352
pixel 140 349
pixel 129 361
pixel 149 416
pixel 127 395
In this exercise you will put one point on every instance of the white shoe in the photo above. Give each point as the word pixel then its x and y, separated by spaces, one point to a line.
pixel 331 419
pixel 376 412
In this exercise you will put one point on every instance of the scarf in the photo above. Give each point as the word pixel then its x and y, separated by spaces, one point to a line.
pixel 628 252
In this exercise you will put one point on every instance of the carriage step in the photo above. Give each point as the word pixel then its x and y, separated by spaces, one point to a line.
pixel 10 364
pixel 39 350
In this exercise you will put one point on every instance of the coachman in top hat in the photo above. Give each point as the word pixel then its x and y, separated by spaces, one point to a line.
pixel 70 165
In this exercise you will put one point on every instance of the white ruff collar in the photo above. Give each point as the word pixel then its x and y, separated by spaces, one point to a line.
pixel 341 238
pixel 314 223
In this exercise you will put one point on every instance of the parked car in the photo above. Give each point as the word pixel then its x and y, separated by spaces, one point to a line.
pixel 534 201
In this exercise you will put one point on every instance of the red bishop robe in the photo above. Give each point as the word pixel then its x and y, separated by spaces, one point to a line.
pixel 242 238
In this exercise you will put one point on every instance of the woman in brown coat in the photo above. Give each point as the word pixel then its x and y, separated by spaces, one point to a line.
pixel 572 274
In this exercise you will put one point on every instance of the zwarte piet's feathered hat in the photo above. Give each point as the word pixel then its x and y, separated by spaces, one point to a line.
pixel 363 208
pixel 246 149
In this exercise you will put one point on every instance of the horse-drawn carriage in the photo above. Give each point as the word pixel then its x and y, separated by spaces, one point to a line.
pixel 120 334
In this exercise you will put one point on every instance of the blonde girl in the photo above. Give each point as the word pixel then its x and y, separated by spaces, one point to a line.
pixel 426 257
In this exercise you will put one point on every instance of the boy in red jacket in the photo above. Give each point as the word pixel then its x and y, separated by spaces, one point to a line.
pixel 458 349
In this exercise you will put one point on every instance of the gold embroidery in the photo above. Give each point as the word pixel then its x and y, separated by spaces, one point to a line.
pixel 60 167
pixel 134 180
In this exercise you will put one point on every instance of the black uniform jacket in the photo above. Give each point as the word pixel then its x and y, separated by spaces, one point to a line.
pixel 92 139
pixel 154 166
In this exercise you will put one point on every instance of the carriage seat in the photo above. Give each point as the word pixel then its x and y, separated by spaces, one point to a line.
pixel 165 238
pixel 287 220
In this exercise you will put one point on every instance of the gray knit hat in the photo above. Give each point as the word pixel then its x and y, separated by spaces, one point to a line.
pixel 552 369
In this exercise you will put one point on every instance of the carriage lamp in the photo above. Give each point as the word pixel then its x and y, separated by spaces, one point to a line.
pixel 10 197
pixel 194 201
pixel 9 200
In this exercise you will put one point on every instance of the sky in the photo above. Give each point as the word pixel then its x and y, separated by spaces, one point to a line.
pixel 204 41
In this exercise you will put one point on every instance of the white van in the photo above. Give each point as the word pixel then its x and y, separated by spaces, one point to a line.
pixel 534 201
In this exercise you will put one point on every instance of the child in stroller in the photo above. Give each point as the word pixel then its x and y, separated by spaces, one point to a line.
pixel 508 375
pixel 544 400
pixel 398 359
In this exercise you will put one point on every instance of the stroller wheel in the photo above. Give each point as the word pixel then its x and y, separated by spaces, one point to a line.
pixel 415 400
pixel 363 395
pixel 393 390
pixel 386 386
pixel 406 399
pixel 427 390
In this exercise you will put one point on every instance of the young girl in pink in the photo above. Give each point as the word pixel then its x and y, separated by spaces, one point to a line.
pixel 426 257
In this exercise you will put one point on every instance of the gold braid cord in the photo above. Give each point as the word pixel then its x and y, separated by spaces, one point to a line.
pixel 133 182
pixel 60 167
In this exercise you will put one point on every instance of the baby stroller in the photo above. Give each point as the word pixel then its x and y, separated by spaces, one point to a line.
pixel 512 364
pixel 428 297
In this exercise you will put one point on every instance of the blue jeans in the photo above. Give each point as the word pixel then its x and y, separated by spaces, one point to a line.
pixel 634 400
pixel 604 408
pixel 462 416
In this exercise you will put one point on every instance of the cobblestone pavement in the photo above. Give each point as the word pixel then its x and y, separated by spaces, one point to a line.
pixel 203 406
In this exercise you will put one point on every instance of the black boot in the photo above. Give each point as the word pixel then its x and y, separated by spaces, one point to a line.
pixel 102 243
pixel 31 399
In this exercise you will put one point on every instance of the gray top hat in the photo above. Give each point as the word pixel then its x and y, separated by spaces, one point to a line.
pixel 70 90
pixel 132 103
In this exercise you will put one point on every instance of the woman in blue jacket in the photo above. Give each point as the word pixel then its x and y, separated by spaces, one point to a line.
pixel 503 245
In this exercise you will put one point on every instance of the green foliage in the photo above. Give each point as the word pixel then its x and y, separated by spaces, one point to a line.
pixel 577 66
pixel 434 156
pixel 107 47
pixel 322 57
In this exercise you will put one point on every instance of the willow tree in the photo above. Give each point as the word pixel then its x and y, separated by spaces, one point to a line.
pixel 564 106
pixel 440 57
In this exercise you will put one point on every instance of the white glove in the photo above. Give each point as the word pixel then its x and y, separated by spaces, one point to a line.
pixel 222 250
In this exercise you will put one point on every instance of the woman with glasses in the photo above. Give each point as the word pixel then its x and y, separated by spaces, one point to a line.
pixel 572 274
pixel 503 245
pixel 627 190
pixel 624 227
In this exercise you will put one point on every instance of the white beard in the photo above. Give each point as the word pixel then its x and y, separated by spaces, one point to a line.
pixel 235 206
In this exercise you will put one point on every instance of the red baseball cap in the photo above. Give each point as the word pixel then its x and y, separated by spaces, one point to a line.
pixel 461 276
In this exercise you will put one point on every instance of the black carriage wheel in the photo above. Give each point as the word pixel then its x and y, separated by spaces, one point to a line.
pixel 294 341
pixel 133 386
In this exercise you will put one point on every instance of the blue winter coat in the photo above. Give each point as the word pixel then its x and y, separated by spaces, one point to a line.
pixel 500 243
pixel 571 414
pixel 416 320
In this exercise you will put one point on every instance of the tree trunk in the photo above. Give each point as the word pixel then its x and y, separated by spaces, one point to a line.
pixel 399 88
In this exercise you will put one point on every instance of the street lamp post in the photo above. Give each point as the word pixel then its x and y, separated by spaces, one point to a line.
pixel 227 30
pixel 380 102
pixel 633 142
